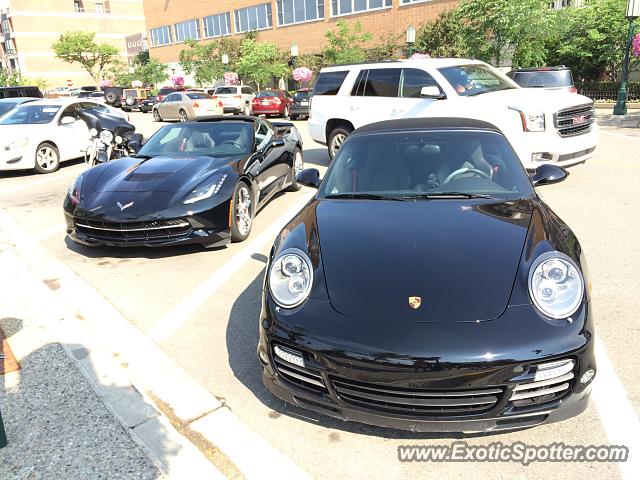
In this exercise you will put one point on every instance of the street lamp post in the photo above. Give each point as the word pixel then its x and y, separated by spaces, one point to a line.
pixel 633 12
pixel 225 59
pixel 294 54
pixel 411 39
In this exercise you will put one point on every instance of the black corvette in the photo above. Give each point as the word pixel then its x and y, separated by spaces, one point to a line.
pixel 194 182
pixel 427 287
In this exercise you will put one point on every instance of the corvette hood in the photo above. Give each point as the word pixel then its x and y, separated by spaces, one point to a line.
pixel 459 257
pixel 158 174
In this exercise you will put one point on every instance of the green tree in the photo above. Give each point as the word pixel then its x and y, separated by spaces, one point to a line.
pixel 591 39
pixel 152 72
pixel 346 44
pixel 441 37
pixel 80 47
pixel 8 79
pixel 494 30
pixel 261 62
pixel 389 48
pixel 204 60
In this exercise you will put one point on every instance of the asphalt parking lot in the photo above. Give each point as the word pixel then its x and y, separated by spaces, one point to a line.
pixel 201 306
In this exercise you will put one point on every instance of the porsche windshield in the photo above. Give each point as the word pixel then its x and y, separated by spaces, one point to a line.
pixel 470 80
pixel 200 139
pixel 30 115
pixel 427 164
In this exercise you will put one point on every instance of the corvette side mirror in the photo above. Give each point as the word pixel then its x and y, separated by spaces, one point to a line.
pixel 309 177
pixel 548 174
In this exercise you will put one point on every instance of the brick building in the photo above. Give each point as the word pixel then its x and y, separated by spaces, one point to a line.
pixel 283 22
pixel 28 28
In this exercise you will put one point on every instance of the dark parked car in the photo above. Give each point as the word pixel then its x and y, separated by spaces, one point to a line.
pixel 164 91
pixel 95 95
pixel 8 104
pixel 271 102
pixel 194 182
pixel 428 287
pixel 12 92
pixel 551 78
pixel 300 105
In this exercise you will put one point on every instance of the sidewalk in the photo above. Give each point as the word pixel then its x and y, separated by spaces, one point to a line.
pixel 56 425
pixel 606 118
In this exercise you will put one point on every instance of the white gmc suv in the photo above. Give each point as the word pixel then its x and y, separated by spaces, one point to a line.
pixel 543 126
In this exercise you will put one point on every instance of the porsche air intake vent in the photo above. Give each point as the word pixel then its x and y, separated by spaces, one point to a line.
pixel 550 382
pixel 296 374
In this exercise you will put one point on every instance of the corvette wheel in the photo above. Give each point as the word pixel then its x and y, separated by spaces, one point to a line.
pixel 156 116
pixel 242 213
pixel 298 165
pixel 47 158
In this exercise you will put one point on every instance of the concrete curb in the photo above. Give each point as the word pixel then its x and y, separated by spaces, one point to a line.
pixel 199 437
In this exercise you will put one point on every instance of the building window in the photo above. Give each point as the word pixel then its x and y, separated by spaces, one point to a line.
pixel 77 6
pixel 160 36
pixel 297 11
pixel 345 7
pixel 99 8
pixel 407 2
pixel 253 18
pixel 187 31
pixel 217 25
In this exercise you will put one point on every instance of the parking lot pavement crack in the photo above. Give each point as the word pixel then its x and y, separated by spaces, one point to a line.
pixel 208 449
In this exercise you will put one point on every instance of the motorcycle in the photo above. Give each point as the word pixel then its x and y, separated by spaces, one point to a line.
pixel 111 138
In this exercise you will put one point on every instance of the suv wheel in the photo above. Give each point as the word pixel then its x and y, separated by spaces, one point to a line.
pixel 111 98
pixel 336 139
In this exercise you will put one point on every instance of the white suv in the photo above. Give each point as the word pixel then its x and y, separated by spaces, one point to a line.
pixel 543 126
pixel 234 98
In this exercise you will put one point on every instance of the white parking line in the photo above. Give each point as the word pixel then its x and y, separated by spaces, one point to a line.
pixel 183 311
pixel 52 177
pixel 618 417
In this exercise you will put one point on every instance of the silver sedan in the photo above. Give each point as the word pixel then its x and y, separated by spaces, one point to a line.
pixel 184 106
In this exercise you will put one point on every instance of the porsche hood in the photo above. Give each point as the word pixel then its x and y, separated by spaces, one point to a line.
pixel 425 261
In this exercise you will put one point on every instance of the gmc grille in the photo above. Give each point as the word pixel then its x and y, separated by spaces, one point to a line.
pixel 575 120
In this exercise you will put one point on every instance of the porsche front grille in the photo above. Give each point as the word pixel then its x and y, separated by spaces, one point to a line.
pixel 415 402
pixel 134 231
pixel 299 376
pixel 575 120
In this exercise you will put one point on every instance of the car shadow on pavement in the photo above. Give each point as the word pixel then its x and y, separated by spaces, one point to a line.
pixel 317 156
pixel 31 173
pixel 56 424
pixel 242 341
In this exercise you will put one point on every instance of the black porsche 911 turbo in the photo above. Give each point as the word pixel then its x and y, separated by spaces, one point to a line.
pixel 193 182
pixel 427 287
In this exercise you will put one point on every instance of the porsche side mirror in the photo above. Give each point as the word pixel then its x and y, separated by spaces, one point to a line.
pixel 67 120
pixel 309 177
pixel 548 174
pixel 432 92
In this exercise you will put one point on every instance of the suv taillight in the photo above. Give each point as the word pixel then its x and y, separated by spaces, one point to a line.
pixel 573 89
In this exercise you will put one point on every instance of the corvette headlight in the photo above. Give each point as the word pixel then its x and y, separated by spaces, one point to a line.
pixel 290 278
pixel 556 285
pixel 17 144
pixel 531 121
pixel 206 191
pixel 106 136
pixel 73 192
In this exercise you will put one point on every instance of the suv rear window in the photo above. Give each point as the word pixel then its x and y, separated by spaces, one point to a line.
pixel 382 82
pixel 329 83
pixel 543 79
pixel 225 90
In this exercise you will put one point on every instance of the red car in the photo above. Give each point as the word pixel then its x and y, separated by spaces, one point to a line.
pixel 271 102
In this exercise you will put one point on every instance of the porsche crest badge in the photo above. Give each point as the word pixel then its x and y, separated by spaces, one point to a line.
pixel 415 302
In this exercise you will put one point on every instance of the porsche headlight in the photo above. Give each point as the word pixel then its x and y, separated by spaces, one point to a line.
pixel 106 136
pixel 206 191
pixel 556 285
pixel 290 278
pixel 17 144
pixel 532 121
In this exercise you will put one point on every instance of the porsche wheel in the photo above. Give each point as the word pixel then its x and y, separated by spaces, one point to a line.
pixel 47 158
pixel 298 166
pixel 242 214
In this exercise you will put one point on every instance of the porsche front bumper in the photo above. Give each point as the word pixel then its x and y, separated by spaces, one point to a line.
pixel 483 378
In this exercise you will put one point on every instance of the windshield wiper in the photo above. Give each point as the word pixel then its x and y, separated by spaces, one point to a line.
pixel 432 195
pixel 363 196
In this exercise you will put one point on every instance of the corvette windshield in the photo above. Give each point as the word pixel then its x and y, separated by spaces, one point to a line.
pixel 470 80
pixel 30 115
pixel 200 139
pixel 427 164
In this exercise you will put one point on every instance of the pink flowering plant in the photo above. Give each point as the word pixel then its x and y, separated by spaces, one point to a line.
pixel 231 78
pixel 177 80
pixel 420 56
pixel 106 83
pixel 302 74
pixel 636 45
